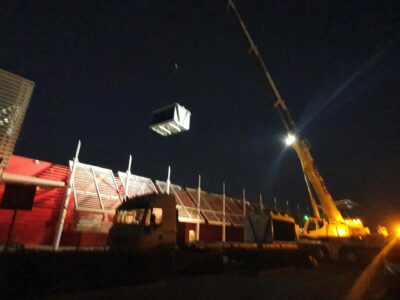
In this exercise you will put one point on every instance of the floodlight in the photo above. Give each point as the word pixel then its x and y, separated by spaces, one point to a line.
pixel 290 139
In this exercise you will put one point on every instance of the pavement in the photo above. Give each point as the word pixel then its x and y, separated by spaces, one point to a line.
pixel 322 282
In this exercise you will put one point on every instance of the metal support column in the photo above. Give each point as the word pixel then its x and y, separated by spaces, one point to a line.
pixel 223 214
pixel 168 180
pixel 116 186
pixel 97 189
pixel 138 183
pixel 198 209
pixel 244 203
pixel 128 174
pixel 67 195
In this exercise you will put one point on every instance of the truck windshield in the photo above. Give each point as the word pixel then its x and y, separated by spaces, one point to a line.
pixel 131 217
pixel 139 216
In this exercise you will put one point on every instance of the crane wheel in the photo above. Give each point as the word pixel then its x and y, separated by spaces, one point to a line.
pixel 313 261
pixel 349 256
pixel 321 255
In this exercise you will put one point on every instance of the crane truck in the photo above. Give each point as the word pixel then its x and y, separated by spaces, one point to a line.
pixel 332 225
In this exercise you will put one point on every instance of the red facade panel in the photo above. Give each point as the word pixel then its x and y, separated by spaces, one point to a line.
pixel 234 234
pixel 210 233
pixel 36 227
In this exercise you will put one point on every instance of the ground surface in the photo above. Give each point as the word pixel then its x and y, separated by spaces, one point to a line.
pixel 324 282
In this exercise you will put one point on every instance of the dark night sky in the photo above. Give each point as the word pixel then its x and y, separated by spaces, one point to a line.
pixel 102 67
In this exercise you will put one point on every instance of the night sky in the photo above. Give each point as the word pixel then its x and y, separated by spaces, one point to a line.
pixel 102 67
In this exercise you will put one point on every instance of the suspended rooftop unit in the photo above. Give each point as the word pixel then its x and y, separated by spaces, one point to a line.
pixel 171 119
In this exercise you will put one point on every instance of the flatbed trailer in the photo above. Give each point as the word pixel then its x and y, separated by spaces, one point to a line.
pixel 280 240
pixel 248 246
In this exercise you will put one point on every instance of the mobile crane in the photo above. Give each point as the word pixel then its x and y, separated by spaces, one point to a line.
pixel 332 225
pixel 135 226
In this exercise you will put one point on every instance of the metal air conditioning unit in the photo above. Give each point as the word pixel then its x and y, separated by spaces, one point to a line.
pixel 171 119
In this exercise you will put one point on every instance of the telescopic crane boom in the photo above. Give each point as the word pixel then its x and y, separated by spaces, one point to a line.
pixel 339 226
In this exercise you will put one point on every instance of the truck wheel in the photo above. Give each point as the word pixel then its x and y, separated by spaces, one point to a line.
pixel 225 260
pixel 313 261
pixel 320 255
pixel 351 256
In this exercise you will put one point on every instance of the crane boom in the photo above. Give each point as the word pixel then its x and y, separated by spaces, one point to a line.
pixel 302 150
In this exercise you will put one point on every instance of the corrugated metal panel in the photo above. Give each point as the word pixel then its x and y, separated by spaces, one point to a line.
pixel 15 95
pixel 212 208
pixel 233 209
pixel 209 209
pixel 137 185
pixel 187 211
pixel 95 189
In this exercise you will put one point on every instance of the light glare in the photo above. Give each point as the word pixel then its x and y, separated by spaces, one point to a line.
pixel 290 139
pixel 398 231
pixel 341 232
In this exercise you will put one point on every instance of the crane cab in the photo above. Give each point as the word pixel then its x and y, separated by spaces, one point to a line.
pixel 315 228
pixel 171 119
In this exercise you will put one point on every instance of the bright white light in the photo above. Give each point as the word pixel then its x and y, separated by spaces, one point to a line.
pixel 290 139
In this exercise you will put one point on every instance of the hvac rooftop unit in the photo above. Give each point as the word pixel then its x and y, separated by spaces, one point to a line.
pixel 170 120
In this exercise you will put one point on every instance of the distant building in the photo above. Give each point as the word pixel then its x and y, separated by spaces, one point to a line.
pixel 15 95
pixel 347 207
pixel 346 204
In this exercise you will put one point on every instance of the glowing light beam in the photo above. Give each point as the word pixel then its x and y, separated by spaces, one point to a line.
pixel 354 76
pixel 363 281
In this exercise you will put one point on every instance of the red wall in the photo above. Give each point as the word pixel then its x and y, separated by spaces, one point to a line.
pixel 73 237
pixel 38 226
pixel 210 233
pixel 234 234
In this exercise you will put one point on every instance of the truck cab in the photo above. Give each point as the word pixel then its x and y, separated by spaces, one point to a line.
pixel 144 222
